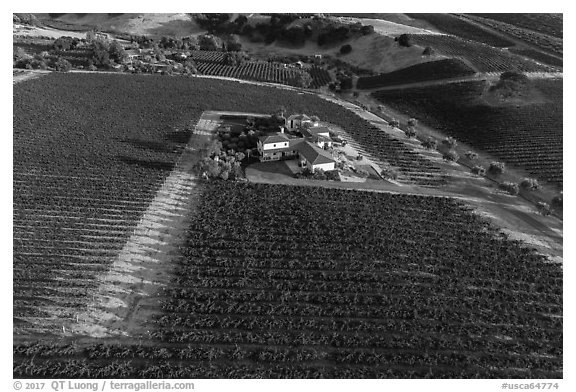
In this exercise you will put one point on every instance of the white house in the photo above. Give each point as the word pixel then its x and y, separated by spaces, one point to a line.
pixel 315 158
pixel 277 146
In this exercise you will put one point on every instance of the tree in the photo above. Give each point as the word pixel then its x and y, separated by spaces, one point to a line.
pixel 117 53
pixel 394 123
pixel 368 29
pixel 389 173
pixel 234 58
pixel 510 187
pixel 62 43
pixel 543 208
pixel 62 65
pixel 430 143
pixel 478 170
pixel 405 40
pixel 529 184
pixel 556 203
pixel 428 51
pixel 496 168
pixel 208 42
pixel 301 79
pixel 101 55
pixel 451 156
pixel 345 49
pixel 450 142
pixel 410 132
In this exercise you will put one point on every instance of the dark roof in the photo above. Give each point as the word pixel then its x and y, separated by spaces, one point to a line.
pixel 301 117
pixel 317 130
pixel 313 154
pixel 275 138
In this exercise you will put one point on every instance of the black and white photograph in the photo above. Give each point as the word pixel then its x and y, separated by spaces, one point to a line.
pixel 287 195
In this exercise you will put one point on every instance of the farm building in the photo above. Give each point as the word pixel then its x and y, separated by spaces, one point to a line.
pixel 277 146
pixel 318 135
pixel 281 146
pixel 314 158
pixel 296 121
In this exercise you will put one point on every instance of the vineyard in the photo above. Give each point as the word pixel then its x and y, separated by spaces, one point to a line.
pixel 87 165
pixel 76 57
pixel 211 63
pixel 335 284
pixel 551 24
pixel 453 25
pixel 543 41
pixel 433 70
pixel 539 56
pixel 529 137
pixel 485 58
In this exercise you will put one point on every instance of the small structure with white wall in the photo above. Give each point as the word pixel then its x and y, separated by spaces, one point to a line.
pixel 296 121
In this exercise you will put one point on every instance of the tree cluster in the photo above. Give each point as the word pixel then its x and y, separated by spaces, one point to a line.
pixel 219 164
pixel 107 53
pixel 66 43
pixel 510 187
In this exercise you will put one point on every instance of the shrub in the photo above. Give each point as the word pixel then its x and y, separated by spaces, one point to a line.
pixel 450 142
pixel 428 51
pixel 510 187
pixel 430 143
pixel 496 168
pixel 471 155
pixel 332 175
pixel 412 122
pixel 543 208
pixel 62 65
pixel 319 174
pixel 451 156
pixel 405 40
pixel 529 184
pixel 556 203
pixel 345 49
pixel 389 173
pixel 368 29
pixel 479 170
pixel 410 132
pixel 394 123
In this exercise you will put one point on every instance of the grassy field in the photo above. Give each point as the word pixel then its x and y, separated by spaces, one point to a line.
pixel 527 136
pixel 300 282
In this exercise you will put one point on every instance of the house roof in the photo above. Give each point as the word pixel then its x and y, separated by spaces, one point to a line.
pixel 275 138
pixel 299 117
pixel 313 154
pixel 316 131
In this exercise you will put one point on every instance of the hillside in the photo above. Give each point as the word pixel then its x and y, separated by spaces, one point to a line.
pixel 137 24
pixel 375 52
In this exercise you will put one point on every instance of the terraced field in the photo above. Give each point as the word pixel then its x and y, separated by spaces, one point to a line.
pixel 529 137
pixel 336 284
